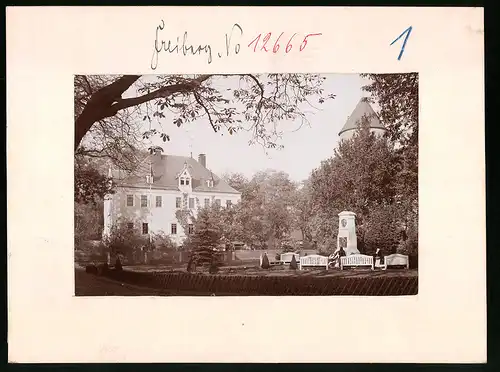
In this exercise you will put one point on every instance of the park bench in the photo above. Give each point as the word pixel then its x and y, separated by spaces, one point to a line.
pixel 395 259
pixel 286 258
pixel 313 260
pixel 356 260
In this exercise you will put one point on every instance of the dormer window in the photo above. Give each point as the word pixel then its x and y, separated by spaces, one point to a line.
pixel 149 179
pixel 210 183
pixel 185 178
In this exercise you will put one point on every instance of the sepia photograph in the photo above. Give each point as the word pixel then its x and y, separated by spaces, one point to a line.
pixel 277 184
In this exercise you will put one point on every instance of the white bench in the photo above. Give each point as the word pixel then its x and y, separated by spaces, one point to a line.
pixel 356 260
pixel 286 258
pixel 314 260
pixel 395 259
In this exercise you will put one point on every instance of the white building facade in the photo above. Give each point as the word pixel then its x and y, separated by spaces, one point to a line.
pixel 148 201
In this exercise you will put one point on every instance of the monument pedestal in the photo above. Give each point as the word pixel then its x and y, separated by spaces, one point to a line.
pixel 346 237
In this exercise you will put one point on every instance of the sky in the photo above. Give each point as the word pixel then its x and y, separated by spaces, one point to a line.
pixel 303 150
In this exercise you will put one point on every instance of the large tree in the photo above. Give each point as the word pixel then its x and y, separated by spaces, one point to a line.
pixel 254 102
pixel 397 97
pixel 266 208
pixel 359 177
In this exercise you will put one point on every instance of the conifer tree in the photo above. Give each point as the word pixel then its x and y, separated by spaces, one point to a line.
pixel 204 242
pixel 265 262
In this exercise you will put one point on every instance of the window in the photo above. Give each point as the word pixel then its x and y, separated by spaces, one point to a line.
pixel 130 225
pixel 130 200
pixel 144 201
pixel 210 183
pixel 207 202
pixel 145 228
pixel 173 229
pixel 190 228
pixel 184 180
pixel 149 179
pixel 191 203
pixel 228 203
pixel 158 201
pixel 178 202
pixel 217 202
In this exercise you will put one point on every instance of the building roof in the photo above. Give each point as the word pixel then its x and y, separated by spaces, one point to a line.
pixel 362 110
pixel 167 168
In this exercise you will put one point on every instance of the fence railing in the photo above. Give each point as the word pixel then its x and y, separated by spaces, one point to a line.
pixel 270 285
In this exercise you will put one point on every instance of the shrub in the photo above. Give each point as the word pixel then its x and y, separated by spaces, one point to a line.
pixel 118 264
pixel 91 269
pixel 162 242
pixel 265 262
pixel 102 268
pixel 214 267
pixel 123 240
pixel 287 247
pixel 293 263
pixel 410 245
pixel 190 265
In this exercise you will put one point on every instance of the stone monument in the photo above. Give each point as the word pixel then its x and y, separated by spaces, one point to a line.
pixel 347 233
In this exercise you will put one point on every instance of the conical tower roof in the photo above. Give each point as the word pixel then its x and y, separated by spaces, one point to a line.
pixel 363 109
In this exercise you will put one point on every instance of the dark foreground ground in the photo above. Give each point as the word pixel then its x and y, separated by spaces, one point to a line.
pixel 94 285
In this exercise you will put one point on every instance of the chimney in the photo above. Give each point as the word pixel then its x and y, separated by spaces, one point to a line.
pixel 202 159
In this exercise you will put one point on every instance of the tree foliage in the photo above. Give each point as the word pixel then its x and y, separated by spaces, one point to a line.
pixel 265 213
pixel 397 96
pixel 359 177
pixel 381 230
pixel 255 103
pixel 91 185
pixel 88 222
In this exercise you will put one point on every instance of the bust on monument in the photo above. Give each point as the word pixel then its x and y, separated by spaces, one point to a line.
pixel 346 237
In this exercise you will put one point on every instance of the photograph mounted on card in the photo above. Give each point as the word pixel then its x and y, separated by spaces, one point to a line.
pixel 149 211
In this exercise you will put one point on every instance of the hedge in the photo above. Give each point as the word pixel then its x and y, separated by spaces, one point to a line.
pixel 269 285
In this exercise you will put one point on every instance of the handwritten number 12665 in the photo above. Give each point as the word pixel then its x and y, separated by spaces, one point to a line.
pixel 266 44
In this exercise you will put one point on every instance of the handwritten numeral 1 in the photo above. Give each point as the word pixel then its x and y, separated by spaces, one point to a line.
pixel 256 41
pixel 407 32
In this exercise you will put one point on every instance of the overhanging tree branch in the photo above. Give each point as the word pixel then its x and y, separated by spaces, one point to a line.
pixel 107 101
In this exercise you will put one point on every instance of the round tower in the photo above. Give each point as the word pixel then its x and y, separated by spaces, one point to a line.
pixel 363 110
